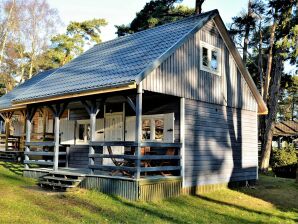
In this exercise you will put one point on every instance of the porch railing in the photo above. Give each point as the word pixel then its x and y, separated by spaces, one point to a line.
pixel 42 154
pixel 13 142
pixel 154 161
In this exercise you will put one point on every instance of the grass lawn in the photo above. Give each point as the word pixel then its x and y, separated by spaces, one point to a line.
pixel 273 200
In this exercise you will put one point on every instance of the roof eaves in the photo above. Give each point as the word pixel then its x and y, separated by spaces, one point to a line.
pixel 262 107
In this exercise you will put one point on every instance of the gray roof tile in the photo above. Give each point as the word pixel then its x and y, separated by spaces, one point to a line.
pixel 18 91
pixel 116 62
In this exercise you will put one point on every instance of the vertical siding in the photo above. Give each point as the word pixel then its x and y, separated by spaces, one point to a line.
pixel 220 144
pixel 180 75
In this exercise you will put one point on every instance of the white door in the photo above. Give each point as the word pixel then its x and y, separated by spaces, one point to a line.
pixel 113 132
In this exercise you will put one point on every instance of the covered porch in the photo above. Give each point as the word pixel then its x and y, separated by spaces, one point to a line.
pixel 122 137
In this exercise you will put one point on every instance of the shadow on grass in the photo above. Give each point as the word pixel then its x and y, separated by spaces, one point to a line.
pixel 155 211
pixel 243 208
pixel 281 192
pixel 14 167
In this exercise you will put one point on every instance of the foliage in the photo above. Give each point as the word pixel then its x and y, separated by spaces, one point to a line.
pixel 288 102
pixel 26 27
pixel 285 156
pixel 66 46
pixel 155 13
pixel 274 201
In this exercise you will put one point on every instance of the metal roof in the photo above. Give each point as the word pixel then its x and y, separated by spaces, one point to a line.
pixel 121 61
pixel 6 100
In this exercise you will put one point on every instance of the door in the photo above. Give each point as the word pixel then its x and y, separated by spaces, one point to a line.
pixel 113 132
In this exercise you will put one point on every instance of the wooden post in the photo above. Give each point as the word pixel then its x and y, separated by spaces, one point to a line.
pixel 92 138
pixel 182 138
pixel 7 118
pixel 29 116
pixel 44 122
pixel 138 129
pixel 7 132
pixel 57 110
pixel 56 140
pixel 92 108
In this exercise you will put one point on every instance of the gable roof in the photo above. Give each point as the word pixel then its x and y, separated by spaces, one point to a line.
pixel 286 128
pixel 125 61
pixel 121 61
pixel 6 100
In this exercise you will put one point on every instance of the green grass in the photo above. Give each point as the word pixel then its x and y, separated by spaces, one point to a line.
pixel 273 200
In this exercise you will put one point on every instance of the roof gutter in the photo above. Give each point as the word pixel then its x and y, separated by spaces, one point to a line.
pixel 128 86
pixel 13 108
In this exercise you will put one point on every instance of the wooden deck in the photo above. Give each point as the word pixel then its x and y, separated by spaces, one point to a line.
pixel 146 188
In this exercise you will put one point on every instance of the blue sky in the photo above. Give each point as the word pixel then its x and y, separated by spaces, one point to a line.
pixel 118 12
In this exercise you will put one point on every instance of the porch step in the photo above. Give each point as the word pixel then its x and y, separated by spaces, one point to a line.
pixel 60 180
pixel 12 156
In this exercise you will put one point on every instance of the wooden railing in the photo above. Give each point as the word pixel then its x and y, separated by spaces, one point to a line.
pixel 154 159
pixel 42 153
pixel 13 142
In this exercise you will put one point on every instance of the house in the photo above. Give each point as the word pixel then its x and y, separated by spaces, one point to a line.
pixel 285 132
pixel 158 113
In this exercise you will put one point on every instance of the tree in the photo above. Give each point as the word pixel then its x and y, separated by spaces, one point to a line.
pixel 41 24
pixel 282 48
pixel 198 8
pixel 6 26
pixel 155 13
pixel 67 46
pixel 244 24
pixel 288 101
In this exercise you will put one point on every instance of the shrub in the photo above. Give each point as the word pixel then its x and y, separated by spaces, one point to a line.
pixel 284 156
pixel 284 161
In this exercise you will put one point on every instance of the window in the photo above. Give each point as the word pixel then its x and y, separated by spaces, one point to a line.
pixel 210 58
pixel 159 129
pixel 153 128
pixel 146 129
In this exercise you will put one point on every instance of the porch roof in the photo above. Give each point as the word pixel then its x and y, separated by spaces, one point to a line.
pixel 286 128
pixel 6 100
pixel 119 62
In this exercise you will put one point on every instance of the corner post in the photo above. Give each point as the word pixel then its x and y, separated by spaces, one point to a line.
pixel 56 140
pixel 139 100
pixel 92 138
pixel 182 138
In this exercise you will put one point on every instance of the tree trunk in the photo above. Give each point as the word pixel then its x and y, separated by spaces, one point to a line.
pixel 246 34
pixel 6 32
pixel 260 60
pixel 269 61
pixel 31 69
pixel 199 4
pixel 270 119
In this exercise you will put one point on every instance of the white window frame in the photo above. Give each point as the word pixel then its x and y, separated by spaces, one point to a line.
pixel 210 48
pixel 152 119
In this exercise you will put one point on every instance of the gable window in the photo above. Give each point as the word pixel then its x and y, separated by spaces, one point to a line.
pixel 210 58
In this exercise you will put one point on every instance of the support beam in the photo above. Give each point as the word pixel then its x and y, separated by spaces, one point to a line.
pixel 57 110
pixel 56 140
pixel 130 102
pixel 182 139
pixel 29 116
pixel 92 107
pixel 139 100
pixel 7 118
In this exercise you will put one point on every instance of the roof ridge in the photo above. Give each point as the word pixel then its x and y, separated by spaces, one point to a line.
pixel 160 26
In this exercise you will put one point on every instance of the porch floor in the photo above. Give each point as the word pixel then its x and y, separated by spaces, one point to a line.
pixel 86 172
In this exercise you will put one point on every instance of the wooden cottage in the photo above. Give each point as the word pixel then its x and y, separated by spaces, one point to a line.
pixel 149 115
